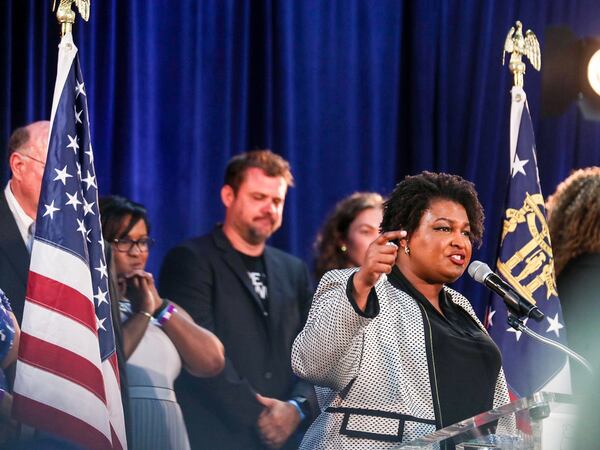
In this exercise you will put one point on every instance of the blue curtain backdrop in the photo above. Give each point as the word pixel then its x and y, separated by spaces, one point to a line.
pixel 354 93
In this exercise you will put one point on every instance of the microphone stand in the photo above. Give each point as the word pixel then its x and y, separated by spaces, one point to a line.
pixel 518 325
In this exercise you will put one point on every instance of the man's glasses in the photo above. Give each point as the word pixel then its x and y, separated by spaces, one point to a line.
pixel 126 244
pixel 43 163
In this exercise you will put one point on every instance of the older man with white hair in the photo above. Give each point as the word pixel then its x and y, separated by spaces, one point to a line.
pixel 27 150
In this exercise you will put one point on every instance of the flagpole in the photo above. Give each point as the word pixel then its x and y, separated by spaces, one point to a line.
pixel 67 382
pixel 519 45
pixel 525 258
pixel 66 16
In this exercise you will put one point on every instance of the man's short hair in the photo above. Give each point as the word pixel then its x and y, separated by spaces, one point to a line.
pixel 272 164
pixel 18 139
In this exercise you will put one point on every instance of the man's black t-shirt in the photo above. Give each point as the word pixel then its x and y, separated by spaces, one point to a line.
pixel 255 267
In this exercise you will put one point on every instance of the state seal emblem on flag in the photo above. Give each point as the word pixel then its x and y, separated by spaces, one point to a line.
pixel 531 266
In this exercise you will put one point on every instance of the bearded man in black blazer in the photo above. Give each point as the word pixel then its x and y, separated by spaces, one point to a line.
pixel 27 149
pixel 254 298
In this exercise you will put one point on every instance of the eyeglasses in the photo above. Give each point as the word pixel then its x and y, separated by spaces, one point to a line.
pixel 126 244
pixel 43 163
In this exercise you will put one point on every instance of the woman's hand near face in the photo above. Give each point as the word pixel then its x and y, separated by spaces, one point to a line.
pixel 202 353
pixel 138 287
pixel 379 259
pixel 141 292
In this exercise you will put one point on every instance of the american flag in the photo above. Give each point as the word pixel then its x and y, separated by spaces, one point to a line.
pixel 526 261
pixel 67 380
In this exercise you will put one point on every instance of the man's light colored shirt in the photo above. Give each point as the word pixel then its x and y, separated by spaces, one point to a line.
pixel 24 222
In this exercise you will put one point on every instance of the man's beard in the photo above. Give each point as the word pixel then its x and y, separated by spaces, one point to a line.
pixel 259 234
pixel 255 236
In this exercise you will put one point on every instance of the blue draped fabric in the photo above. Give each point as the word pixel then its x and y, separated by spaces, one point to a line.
pixel 354 93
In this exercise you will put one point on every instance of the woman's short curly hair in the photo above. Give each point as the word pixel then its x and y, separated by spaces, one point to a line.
pixel 413 196
pixel 327 246
pixel 574 216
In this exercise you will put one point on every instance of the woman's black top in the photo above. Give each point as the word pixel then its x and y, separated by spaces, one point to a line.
pixel 464 362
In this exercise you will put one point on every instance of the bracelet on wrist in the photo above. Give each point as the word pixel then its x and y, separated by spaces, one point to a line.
pixel 294 402
pixel 145 313
pixel 166 314
pixel 158 311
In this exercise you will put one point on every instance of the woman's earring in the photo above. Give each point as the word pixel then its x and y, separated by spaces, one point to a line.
pixel 406 250
pixel 343 248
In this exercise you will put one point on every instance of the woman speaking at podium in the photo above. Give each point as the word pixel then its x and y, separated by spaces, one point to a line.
pixel 395 353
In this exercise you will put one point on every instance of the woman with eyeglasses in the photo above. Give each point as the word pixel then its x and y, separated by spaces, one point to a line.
pixel 158 336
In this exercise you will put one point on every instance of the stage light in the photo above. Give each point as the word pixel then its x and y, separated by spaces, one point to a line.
pixel 589 88
pixel 593 72
pixel 570 72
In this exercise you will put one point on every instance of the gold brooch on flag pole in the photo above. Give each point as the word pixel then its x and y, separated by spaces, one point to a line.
pixel 518 46
pixel 66 16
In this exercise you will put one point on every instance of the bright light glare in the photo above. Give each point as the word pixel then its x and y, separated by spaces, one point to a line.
pixel 593 72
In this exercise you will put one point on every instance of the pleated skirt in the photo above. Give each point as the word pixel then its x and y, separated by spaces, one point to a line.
pixel 157 424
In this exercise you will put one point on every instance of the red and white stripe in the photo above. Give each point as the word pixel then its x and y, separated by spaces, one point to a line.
pixel 62 386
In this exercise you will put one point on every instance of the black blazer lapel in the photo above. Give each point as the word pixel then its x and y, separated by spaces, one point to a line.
pixel 275 285
pixel 234 261
pixel 11 242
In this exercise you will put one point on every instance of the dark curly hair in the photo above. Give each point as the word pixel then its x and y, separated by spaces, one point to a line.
pixel 574 216
pixel 327 246
pixel 413 195
pixel 114 209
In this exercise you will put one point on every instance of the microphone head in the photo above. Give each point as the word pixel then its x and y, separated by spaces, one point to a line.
pixel 536 314
pixel 479 271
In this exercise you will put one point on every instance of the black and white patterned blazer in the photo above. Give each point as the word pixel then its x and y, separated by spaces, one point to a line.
pixel 371 374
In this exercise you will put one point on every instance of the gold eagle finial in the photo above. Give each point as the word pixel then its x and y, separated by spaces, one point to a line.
pixel 66 16
pixel 518 46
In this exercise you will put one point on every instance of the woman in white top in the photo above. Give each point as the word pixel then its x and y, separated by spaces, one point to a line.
pixel 159 337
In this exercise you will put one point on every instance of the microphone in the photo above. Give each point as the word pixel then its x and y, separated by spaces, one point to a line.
pixel 519 305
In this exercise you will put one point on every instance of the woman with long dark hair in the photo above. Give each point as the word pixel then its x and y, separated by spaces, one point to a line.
pixel 348 230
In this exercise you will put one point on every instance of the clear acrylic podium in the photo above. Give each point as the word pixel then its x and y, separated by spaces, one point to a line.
pixel 544 421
